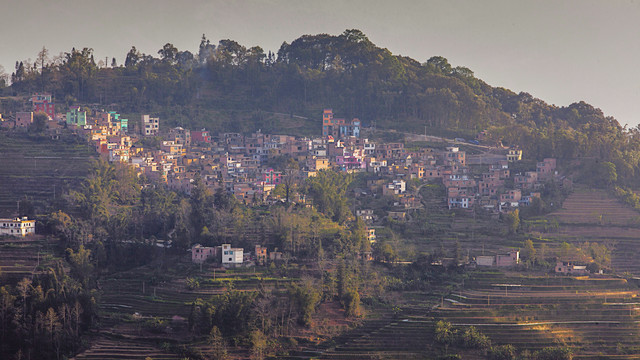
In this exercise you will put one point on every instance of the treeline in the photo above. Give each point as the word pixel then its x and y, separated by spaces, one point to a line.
pixel 44 317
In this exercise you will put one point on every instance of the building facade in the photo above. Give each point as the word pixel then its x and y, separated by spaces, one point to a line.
pixel 17 226
pixel 43 103
pixel 149 126
pixel 231 256
pixel 339 128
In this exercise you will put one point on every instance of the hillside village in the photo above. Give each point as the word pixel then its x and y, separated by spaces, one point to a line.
pixel 331 200
pixel 243 164
pixel 259 170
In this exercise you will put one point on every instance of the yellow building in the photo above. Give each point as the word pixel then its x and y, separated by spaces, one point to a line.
pixel 514 155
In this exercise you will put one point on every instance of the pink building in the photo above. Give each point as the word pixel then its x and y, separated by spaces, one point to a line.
pixel 350 162
pixel 201 136
pixel 510 259
pixel 200 254
pixel 546 168
pixel 568 267
pixel 42 102
pixel 24 119
pixel 271 176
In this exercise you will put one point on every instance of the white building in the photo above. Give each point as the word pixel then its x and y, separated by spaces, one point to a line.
pixel 231 256
pixel 17 226
pixel 150 126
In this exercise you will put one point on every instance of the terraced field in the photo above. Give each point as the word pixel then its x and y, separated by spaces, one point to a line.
pixel 476 235
pixel 592 316
pixel 21 257
pixel 594 216
pixel 38 169
pixel 131 298
pixel 117 348
pixel 591 206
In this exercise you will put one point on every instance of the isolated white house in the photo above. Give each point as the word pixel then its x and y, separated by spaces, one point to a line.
pixel 231 256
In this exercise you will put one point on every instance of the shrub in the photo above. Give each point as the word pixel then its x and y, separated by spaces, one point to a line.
pixel 474 339
pixel 502 352
pixel 156 325
pixel 554 353
pixel 192 283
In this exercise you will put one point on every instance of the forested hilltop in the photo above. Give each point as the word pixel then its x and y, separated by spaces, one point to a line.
pixel 221 84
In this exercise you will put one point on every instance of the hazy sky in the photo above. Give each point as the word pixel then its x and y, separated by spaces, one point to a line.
pixel 559 51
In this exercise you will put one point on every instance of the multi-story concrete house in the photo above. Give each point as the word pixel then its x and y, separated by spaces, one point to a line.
pixel 42 102
pixel 526 181
pixel 339 128
pixel 200 254
pixel 512 196
pixel 179 136
pixel 546 169
pixel 460 198
pixel 202 136
pixel 149 126
pixel 24 119
pixel 17 226
pixel 231 256
pixel 389 150
pixel 514 154
pixel 76 116
pixel 453 156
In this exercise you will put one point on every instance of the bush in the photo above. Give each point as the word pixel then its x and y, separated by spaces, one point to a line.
pixel 156 325
pixel 351 303
pixel 502 352
pixel 554 353
pixel 192 283
pixel 474 339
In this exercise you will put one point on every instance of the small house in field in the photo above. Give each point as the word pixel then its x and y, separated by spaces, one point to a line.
pixel 569 267
pixel 512 258
pixel 275 256
pixel 485 260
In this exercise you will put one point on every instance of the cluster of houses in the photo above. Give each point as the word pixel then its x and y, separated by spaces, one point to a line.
pixel 239 163
pixel 227 256
pixel 489 190
pixel 512 258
